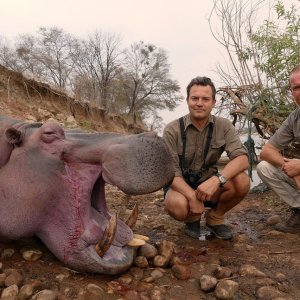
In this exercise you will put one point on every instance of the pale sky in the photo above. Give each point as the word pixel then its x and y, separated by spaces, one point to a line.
pixel 179 27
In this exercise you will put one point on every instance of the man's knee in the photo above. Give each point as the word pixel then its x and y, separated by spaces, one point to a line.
pixel 176 211
pixel 241 184
pixel 265 170
pixel 177 208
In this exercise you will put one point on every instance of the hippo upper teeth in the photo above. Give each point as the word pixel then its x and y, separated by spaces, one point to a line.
pixel 108 236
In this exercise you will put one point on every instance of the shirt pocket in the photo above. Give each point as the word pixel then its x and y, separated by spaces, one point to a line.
pixel 216 150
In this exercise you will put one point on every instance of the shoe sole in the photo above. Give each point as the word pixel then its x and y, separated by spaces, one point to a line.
pixel 191 234
pixel 217 236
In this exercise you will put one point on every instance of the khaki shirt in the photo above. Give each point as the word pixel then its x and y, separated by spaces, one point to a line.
pixel 288 132
pixel 224 138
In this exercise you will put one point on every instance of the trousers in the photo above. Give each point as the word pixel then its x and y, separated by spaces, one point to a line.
pixel 284 186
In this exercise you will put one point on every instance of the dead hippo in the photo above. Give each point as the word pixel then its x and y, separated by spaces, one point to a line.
pixel 52 186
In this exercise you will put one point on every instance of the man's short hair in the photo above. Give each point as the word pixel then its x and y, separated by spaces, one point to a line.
pixel 204 81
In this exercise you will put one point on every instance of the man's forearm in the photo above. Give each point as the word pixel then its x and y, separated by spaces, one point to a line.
pixel 235 166
pixel 272 155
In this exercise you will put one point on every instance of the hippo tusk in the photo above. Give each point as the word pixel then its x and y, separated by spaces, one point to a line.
pixel 108 236
pixel 133 217
pixel 136 242
pixel 141 237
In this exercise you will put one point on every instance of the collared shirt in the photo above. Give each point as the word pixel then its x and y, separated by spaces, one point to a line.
pixel 289 131
pixel 224 138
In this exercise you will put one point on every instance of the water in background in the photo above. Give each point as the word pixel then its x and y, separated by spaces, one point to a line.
pixel 259 142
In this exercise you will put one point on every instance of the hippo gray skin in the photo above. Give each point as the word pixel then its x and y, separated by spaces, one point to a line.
pixel 52 186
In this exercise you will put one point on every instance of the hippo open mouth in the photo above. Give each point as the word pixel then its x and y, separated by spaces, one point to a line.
pixel 97 234
pixel 52 185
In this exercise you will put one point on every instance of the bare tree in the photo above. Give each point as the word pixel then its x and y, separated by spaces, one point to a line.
pixel 256 89
pixel 156 122
pixel 97 67
pixel 49 55
pixel 135 81
pixel 145 81
pixel 231 23
pixel 8 56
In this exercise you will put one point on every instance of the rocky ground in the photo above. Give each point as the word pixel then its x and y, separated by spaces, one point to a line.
pixel 259 263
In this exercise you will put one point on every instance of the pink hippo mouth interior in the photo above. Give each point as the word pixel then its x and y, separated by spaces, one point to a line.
pixel 102 238
pixel 116 232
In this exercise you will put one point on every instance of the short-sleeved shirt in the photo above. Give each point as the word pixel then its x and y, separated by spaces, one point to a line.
pixel 224 138
pixel 288 132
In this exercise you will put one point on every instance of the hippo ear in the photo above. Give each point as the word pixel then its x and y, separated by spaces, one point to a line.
pixel 14 136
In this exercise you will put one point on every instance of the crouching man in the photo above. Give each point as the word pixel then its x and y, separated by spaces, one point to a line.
pixel 196 142
pixel 281 174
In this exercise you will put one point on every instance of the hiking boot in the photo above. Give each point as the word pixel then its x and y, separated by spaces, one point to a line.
pixel 192 229
pixel 221 231
pixel 292 224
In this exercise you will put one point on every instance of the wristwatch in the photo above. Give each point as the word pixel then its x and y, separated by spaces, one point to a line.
pixel 222 179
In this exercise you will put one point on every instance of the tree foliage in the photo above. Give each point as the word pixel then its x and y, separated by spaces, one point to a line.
pixel 145 80
pixel 260 58
pixel 97 65
pixel 49 55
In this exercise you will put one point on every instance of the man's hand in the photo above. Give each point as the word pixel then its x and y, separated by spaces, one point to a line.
pixel 207 189
pixel 196 206
pixel 291 167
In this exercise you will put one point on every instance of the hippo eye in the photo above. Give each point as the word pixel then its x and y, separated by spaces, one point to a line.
pixel 48 131
pixel 51 132
pixel 48 136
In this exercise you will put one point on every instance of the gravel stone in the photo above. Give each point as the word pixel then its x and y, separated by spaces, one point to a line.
pixel 207 283
pixel 226 289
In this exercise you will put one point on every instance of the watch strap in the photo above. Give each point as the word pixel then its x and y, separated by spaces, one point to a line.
pixel 222 179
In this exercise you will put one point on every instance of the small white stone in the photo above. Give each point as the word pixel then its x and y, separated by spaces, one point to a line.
pixel 10 291
pixel 32 255
pixel 207 283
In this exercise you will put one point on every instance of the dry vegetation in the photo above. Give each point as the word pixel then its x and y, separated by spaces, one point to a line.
pixel 30 100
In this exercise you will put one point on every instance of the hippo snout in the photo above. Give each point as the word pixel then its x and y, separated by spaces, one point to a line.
pixel 143 165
